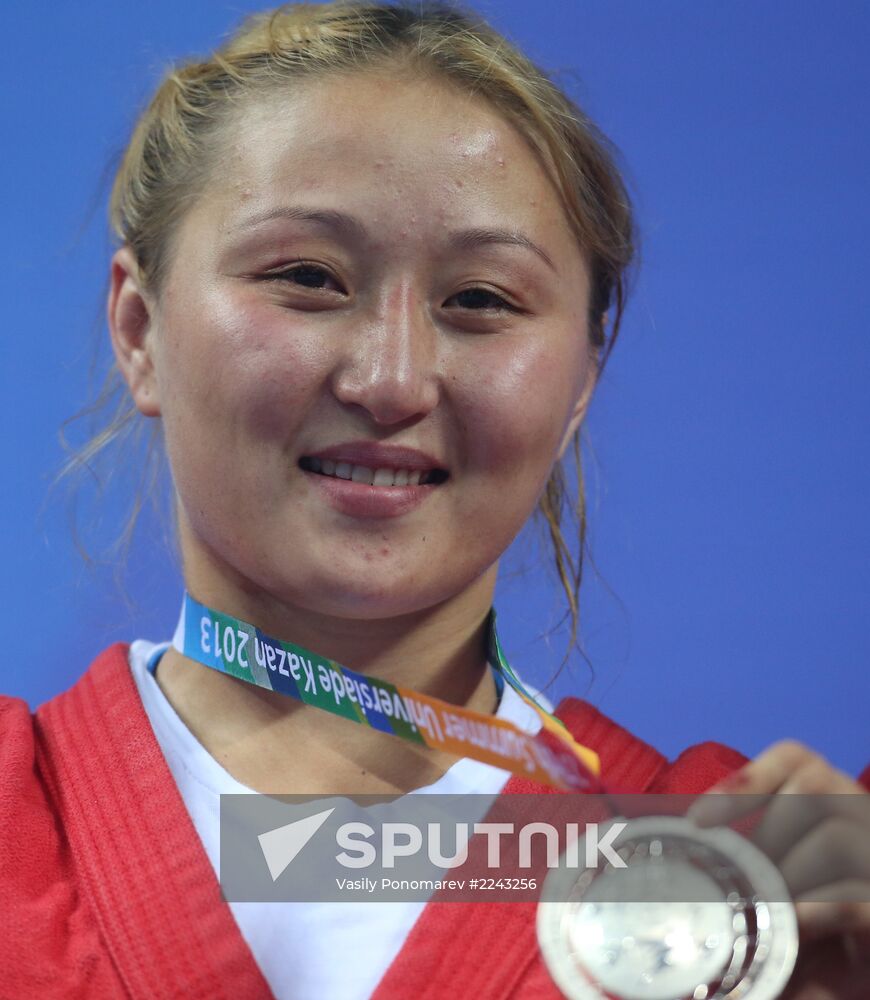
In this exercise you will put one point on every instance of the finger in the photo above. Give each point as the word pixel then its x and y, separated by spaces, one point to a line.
pixel 836 850
pixel 741 793
pixel 792 816
pixel 839 908
pixel 773 771
pixel 773 767
pixel 719 807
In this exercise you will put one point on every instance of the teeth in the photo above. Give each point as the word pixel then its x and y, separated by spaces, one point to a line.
pixel 362 475
pixel 371 477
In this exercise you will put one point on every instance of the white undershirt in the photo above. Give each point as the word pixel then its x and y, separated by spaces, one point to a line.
pixel 306 951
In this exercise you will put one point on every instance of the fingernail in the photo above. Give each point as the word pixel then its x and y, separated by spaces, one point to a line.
pixel 735 781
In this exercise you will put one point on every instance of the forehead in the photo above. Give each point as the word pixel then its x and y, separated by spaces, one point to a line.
pixel 417 152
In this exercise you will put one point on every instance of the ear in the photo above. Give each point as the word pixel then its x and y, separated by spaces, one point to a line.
pixel 131 329
pixel 581 406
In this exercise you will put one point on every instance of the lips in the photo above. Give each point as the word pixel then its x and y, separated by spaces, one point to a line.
pixel 373 464
pixel 373 477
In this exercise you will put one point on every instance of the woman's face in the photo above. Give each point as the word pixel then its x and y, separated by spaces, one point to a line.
pixel 360 274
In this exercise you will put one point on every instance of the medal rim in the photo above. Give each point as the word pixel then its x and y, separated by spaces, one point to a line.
pixel 761 983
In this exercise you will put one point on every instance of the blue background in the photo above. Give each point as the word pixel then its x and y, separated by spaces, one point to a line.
pixel 729 469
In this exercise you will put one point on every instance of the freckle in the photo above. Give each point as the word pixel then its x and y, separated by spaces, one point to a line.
pixel 460 184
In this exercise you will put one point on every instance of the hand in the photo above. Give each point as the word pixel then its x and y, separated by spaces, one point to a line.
pixel 821 844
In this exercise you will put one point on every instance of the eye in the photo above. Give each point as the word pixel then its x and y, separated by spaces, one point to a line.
pixel 482 299
pixel 302 274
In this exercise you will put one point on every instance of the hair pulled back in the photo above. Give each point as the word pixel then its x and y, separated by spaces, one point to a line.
pixel 177 143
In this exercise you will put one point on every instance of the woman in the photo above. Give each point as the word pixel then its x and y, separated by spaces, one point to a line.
pixel 368 261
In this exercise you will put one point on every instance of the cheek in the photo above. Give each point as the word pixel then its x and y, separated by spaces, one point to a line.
pixel 519 404
pixel 241 369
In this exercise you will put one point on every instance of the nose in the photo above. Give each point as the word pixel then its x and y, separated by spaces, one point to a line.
pixel 389 366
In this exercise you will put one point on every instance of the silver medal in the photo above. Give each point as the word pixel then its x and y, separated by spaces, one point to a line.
pixel 695 914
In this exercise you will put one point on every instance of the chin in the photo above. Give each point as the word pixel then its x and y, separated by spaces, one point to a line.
pixel 371 596
pixel 366 602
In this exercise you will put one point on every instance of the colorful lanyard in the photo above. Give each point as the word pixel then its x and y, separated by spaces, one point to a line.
pixel 237 648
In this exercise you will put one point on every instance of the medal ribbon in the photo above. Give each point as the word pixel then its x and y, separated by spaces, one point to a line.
pixel 241 650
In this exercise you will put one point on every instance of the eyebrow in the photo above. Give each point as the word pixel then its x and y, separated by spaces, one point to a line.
pixel 349 225
pixel 471 239
pixel 326 217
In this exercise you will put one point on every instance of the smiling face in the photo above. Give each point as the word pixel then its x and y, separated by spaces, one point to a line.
pixel 375 263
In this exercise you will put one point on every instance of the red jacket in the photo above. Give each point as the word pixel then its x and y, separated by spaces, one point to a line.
pixel 107 891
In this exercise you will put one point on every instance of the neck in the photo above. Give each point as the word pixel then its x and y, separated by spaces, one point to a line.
pixel 274 744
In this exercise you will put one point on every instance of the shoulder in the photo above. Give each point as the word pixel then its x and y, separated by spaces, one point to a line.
pixel 52 946
pixel 21 798
pixel 630 764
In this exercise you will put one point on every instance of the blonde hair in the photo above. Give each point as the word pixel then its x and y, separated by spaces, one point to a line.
pixel 173 147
